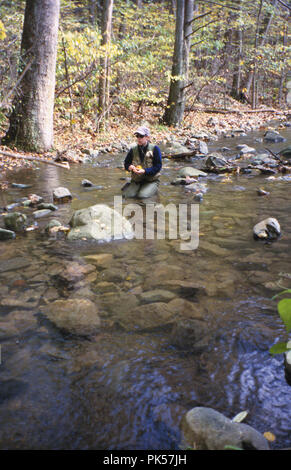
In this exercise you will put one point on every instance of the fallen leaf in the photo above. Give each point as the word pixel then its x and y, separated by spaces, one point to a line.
pixel 269 436
pixel 240 417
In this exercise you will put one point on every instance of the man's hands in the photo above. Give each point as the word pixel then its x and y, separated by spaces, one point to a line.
pixel 137 170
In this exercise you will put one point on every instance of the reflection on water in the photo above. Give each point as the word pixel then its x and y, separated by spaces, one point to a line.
pixel 126 388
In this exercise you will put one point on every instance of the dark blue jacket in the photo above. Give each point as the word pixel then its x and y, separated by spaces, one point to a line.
pixel 157 160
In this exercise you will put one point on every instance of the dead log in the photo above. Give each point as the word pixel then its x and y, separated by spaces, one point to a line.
pixel 29 157
pixel 180 155
pixel 238 111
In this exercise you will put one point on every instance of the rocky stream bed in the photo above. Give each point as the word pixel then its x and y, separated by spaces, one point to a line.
pixel 109 344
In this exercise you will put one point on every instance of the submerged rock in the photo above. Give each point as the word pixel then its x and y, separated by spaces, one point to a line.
pixel 198 188
pixel 76 316
pixel 12 388
pixel 146 317
pixel 190 334
pixel 207 429
pixel 183 181
pixel 267 229
pixel 102 260
pixel 13 264
pixel 157 295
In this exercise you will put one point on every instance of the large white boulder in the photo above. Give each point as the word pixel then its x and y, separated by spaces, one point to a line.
pixel 99 222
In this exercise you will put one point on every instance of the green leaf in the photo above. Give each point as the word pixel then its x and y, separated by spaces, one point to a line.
pixel 278 348
pixel 284 309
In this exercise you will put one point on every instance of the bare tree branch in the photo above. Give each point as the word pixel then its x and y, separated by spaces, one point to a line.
pixel 200 16
pixel 284 5
pixel 88 71
pixel 17 83
pixel 203 26
pixel 219 4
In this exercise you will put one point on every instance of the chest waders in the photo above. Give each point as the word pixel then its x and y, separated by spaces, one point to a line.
pixel 147 163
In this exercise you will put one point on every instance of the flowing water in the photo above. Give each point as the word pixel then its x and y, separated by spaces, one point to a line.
pixel 126 388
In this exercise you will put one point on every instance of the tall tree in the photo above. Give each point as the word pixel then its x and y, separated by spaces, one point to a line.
pixel 237 73
pixel 174 112
pixel 261 35
pixel 93 6
pixel 104 82
pixel 31 122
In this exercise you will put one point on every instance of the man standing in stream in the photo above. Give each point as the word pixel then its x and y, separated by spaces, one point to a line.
pixel 144 161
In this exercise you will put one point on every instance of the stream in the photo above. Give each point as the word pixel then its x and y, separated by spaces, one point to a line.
pixel 130 389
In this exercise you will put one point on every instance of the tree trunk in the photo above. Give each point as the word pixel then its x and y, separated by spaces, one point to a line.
pixel 254 94
pixel 31 122
pixel 92 10
pixel 264 33
pixel 283 74
pixel 236 80
pixel 174 112
pixel 120 78
pixel 189 11
pixel 172 7
pixel 104 82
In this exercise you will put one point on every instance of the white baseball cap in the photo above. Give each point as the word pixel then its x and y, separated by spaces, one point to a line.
pixel 142 130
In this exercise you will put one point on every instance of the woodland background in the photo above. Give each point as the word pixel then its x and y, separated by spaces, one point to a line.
pixel 123 62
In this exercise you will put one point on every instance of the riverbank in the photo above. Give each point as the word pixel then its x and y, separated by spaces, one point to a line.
pixel 73 141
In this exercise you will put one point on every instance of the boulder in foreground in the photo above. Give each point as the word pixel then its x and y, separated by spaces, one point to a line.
pixel 101 223
pixel 206 429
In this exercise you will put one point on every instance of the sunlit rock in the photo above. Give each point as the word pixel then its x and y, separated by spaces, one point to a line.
pixel 190 172
pixel 99 222
pixel 62 195
pixel 267 229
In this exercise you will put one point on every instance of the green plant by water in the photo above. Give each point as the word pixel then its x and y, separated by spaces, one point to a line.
pixel 284 310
